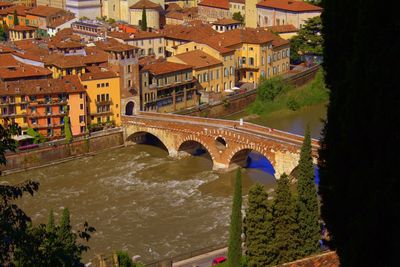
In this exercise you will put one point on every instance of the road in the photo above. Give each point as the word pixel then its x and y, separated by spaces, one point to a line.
pixel 203 260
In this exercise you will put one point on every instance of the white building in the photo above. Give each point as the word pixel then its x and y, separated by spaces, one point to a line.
pixel 87 8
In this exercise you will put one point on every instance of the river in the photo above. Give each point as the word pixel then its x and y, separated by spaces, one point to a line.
pixel 145 202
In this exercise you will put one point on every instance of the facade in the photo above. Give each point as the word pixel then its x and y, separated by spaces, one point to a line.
pixel 103 97
pixel 18 33
pixel 43 104
pixel 62 65
pixel 149 43
pixel 250 19
pixel 167 87
pixel 54 27
pixel 223 79
pixel 89 8
pixel 283 12
pixel 119 9
pixel 52 3
pixel 223 25
pixel 152 13
pixel 237 6
pixel 208 70
pixel 90 30
pixel 212 10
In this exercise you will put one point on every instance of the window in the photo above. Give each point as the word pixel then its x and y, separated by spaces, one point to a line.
pixel 82 118
pixel 33 121
pixel 81 106
pixel 80 95
pixel 48 121
pixel 33 109
pixel 160 50
pixel 243 60
pixel 83 129
pixel 251 48
pixel 129 83
pixel 107 84
pixel 217 74
pixel 226 72
pixel 211 76
pixel 98 85
pixel 129 69
pixel 251 61
pixel 231 70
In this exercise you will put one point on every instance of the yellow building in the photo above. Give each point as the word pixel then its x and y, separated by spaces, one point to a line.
pixel 237 6
pixel 104 97
pixel 250 18
pixel 153 11
pixel 52 3
pixel 207 69
pixel 62 65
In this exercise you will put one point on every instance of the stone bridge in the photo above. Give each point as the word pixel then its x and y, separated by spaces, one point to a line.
pixel 227 142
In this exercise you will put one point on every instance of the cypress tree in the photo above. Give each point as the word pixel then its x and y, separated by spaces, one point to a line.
pixel 67 129
pixel 284 219
pixel 259 230
pixel 51 226
pixel 143 24
pixel 359 160
pixel 307 201
pixel 235 230
pixel 15 15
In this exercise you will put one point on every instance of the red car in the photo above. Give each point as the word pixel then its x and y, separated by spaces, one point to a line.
pixel 218 260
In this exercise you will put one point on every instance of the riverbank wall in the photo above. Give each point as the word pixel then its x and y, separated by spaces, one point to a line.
pixel 236 103
pixel 51 153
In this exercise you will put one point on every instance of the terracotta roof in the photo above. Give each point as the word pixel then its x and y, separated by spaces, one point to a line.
pixel 20 28
pixel 278 41
pixel 98 75
pixel 223 4
pixel 191 32
pixel 198 59
pixel 63 62
pixel 282 28
pixel 44 11
pixel 114 45
pixel 174 15
pixel 237 1
pixel 173 7
pixel 54 23
pixel 289 5
pixel 134 36
pixel 67 84
pixel 10 10
pixel 5 49
pixel 226 21
pixel 68 44
pixel 245 35
pixel 328 259
pixel 10 68
pixel 145 4
pixel 6 4
pixel 165 67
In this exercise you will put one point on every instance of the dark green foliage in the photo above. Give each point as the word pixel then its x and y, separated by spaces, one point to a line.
pixel 67 130
pixel 292 104
pixel 259 230
pixel 284 220
pixel 238 16
pixel 309 40
pixel 124 260
pixel 359 156
pixel 307 201
pixel 37 137
pixel 15 17
pixel 235 230
pixel 143 23
pixel 3 33
pixel 269 89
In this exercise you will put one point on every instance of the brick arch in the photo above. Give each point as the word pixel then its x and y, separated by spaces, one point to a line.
pixel 163 140
pixel 265 151
pixel 198 140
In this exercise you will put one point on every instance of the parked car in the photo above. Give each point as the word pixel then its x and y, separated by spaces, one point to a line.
pixel 218 260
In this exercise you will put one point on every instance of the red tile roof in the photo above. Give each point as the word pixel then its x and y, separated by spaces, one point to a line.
pixel 193 31
pixel 114 45
pixel 44 11
pixel 10 10
pixel 68 84
pixel 63 62
pixel 175 15
pixel 10 68
pixel 226 21
pixel 198 59
pixel 289 5
pixel 98 75
pixel 237 1
pixel 165 67
pixel 222 4
pixel 146 4
pixel 21 28
pixel 5 49
pixel 6 4
pixel 134 36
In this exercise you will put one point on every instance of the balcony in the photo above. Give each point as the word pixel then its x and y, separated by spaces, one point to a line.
pixel 104 102
pixel 242 66
pixel 8 102
pixel 10 115
pixel 50 102
pixel 101 113
pixel 50 114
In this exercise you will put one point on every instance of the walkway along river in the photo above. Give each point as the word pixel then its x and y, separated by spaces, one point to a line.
pixel 141 200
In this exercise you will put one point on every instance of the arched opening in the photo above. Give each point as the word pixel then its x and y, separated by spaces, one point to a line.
pixel 220 143
pixel 147 139
pixel 248 158
pixel 129 108
pixel 195 148
pixel 295 172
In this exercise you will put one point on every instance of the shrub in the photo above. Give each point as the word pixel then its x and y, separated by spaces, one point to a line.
pixel 292 104
pixel 124 260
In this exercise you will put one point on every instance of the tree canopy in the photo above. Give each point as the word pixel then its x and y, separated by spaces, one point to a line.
pixel 359 176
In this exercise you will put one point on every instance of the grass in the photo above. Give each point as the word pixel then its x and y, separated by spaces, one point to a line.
pixel 292 99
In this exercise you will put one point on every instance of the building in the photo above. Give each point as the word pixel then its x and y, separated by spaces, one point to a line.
pixel 120 9
pixel 167 87
pixel 26 3
pixel 207 69
pixel 52 3
pixel 62 65
pixel 8 15
pixel 223 25
pixel 90 30
pixel 152 10
pixel 19 32
pixel 89 8
pixel 103 97
pixel 59 24
pixel 123 60
pixel 250 18
pixel 180 16
pixel 237 6
pixel 284 31
pixel 212 10
pixel 4 5
pixel 41 103
pixel 149 43
pixel 283 12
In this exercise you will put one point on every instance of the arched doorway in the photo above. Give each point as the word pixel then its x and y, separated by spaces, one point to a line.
pixel 129 108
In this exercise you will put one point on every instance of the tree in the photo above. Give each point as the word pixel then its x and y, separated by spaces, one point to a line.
pixel 143 23
pixel 124 260
pixel 358 159
pixel 37 137
pixel 238 16
pixel 284 221
pixel 309 40
pixel 307 201
pixel 269 89
pixel 15 17
pixel 67 129
pixel 3 33
pixel 235 230
pixel 259 229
